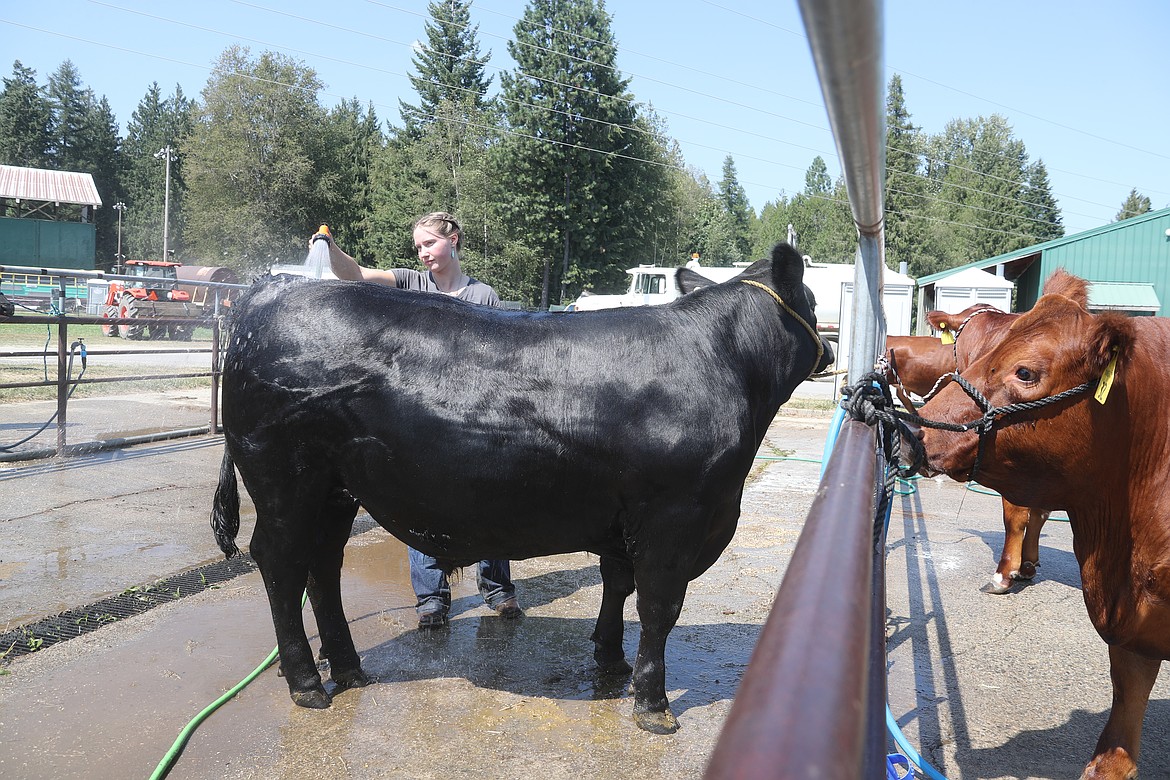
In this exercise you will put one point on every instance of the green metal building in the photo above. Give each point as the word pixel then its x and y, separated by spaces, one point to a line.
pixel 48 218
pixel 1127 264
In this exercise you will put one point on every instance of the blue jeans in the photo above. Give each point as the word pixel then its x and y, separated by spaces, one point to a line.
pixel 434 592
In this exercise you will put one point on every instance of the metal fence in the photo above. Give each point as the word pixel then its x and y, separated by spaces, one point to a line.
pixel 66 351
pixel 812 701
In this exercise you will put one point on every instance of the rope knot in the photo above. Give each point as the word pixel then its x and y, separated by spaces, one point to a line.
pixel 869 401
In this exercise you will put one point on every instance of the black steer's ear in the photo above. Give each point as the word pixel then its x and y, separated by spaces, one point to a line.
pixel 787 266
pixel 688 281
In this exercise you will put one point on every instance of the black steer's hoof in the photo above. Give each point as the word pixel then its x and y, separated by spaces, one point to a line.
pixel 656 722
pixel 315 699
pixel 355 678
pixel 612 665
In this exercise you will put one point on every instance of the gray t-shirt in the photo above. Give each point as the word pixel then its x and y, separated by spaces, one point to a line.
pixel 475 291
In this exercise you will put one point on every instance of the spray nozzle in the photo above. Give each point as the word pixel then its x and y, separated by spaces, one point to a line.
pixel 79 343
pixel 323 234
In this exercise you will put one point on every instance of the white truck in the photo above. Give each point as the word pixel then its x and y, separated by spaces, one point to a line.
pixel 831 283
pixel 650 285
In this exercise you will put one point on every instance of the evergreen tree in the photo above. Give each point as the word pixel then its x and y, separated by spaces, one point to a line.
pixel 71 104
pixel 685 199
pixel 817 181
pixel 155 124
pixel 26 120
pixel 979 180
pixel 354 141
pixel 772 227
pixel 85 139
pixel 256 167
pixel 905 188
pixel 1042 209
pixel 450 68
pixel 735 203
pixel 439 160
pixel 577 184
pixel 1135 205
pixel 821 217
pixel 100 155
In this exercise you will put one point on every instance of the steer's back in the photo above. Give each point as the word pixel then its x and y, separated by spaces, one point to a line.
pixel 461 420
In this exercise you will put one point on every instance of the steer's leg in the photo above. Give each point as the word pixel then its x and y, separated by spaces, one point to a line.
pixel 1117 749
pixel 1015 524
pixel 1031 550
pixel 662 585
pixel 333 528
pixel 282 547
pixel 617 583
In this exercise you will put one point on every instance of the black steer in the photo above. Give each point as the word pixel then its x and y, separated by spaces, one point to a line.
pixel 472 432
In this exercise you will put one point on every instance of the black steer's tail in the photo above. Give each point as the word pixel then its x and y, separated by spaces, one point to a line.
pixel 225 509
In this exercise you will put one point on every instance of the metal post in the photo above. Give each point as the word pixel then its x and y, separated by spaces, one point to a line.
pixel 845 38
pixel 120 207
pixel 216 368
pixel 166 153
pixel 62 382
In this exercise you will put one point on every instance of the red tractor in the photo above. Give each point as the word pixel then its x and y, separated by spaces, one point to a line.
pixel 155 294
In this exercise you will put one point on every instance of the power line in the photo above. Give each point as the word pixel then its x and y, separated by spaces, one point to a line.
pixel 290 86
pixel 628 100
pixel 401 43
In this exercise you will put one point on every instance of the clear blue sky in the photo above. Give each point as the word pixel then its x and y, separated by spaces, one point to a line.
pixel 1085 86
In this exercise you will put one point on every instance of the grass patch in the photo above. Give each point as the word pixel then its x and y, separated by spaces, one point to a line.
pixel 15 336
pixel 824 404
pixel 31 338
pixel 14 374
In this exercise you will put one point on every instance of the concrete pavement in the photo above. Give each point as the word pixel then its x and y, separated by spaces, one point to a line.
pixel 1013 686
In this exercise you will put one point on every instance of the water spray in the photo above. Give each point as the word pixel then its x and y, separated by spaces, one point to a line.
pixel 317 262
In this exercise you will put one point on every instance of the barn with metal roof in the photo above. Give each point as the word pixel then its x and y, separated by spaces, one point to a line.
pixel 1127 264
pixel 46 218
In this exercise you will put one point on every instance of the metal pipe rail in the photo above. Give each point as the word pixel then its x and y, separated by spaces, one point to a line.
pixel 64 382
pixel 812 701
pixel 805 707
pixel 72 273
pixel 846 43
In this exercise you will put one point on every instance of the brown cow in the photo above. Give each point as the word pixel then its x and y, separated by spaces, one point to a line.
pixel 920 365
pixel 1075 403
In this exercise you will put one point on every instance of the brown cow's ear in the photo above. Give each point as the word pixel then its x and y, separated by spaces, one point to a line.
pixel 938 319
pixel 1113 336
pixel 1061 282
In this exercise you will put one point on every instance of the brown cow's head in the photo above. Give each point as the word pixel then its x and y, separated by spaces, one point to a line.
pixel 1032 456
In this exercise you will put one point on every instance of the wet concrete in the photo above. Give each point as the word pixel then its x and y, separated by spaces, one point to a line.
pixel 985 687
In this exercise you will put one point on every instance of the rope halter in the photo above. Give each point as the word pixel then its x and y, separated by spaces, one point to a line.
pixel 872 405
pixel 811 330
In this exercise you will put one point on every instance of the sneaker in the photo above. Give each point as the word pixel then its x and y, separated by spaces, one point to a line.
pixel 509 608
pixel 436 618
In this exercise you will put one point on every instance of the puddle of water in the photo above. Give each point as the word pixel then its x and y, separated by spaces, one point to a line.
pixel 9 569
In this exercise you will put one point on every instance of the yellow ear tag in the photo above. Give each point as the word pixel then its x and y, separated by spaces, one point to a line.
pixel 946 336
pixel 1106 382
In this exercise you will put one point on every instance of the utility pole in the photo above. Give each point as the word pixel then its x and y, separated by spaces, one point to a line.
pixel 119 207
pixel 166 153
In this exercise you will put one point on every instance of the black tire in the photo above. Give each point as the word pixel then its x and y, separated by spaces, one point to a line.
pixel 128 308
pixel 111 330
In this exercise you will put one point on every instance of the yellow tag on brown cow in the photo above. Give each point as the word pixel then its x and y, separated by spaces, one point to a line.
pixel 1106 381
pixel 946 336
